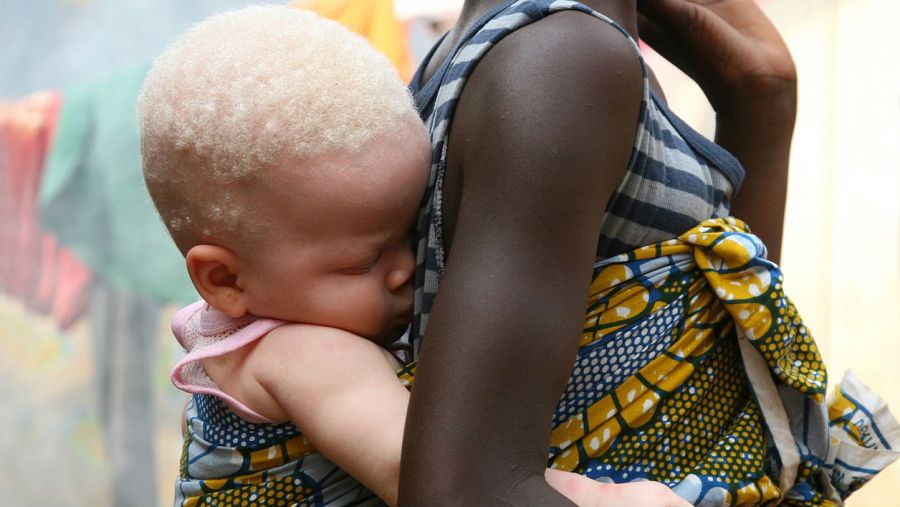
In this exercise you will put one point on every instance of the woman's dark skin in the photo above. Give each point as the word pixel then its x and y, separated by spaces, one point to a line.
pixel 540 140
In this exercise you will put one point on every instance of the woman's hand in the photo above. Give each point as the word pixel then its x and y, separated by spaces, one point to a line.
pixel 732 50
pixel 589 493
pixel 729 47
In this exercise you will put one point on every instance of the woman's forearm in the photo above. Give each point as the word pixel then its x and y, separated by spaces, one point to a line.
pixel 759 134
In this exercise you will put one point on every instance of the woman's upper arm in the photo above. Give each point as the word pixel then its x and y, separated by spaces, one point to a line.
pixel 542 135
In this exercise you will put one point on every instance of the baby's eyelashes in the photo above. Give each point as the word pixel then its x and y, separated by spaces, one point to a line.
pixel 362 267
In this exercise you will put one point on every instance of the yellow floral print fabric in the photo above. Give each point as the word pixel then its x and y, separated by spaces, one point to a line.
pixel 659 390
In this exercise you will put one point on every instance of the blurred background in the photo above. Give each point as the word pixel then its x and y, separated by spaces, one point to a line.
pixel 89 279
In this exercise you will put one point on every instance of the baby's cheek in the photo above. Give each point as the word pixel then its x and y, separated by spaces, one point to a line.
pixel 367 311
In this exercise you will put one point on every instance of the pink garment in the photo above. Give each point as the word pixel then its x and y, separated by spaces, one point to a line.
pixel 205 332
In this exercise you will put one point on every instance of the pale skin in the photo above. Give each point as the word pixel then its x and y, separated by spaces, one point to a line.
pixel 338 264
pixel 332 254
pixel 541 134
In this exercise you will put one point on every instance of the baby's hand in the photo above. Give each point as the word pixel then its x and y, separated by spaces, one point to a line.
pixel 589 493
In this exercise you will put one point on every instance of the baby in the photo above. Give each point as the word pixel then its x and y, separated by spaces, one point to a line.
pixel 288 163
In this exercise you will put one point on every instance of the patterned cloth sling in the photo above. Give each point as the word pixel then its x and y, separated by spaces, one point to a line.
pixel 694 370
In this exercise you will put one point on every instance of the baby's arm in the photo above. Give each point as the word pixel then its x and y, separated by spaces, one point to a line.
pixel 586 492
pixel 342 393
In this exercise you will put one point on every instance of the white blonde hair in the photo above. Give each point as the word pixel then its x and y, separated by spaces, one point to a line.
pixel 250 88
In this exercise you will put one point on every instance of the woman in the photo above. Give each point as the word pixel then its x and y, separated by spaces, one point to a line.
pixel 555 152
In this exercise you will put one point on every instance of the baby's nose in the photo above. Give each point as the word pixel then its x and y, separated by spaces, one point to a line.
pixel 402 270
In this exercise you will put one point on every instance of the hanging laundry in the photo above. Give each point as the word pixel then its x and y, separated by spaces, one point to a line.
pixel 93 196
pixel 373 19
pixel 34 269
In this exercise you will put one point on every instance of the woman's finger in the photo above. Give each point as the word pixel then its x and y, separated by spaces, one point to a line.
pixel 663 42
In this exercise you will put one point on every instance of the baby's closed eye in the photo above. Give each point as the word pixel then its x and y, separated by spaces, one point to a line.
pixel 362 266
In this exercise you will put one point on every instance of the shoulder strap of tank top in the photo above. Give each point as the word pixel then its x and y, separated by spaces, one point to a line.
pixel 448 82
pixel 427 90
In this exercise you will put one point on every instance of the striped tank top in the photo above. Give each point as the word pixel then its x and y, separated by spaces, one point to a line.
pixel 675 177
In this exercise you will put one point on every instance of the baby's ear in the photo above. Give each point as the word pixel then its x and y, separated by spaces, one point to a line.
pixel 214 271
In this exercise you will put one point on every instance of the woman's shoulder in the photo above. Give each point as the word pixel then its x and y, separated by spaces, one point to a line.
pixel 588 48
pixel 567 73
